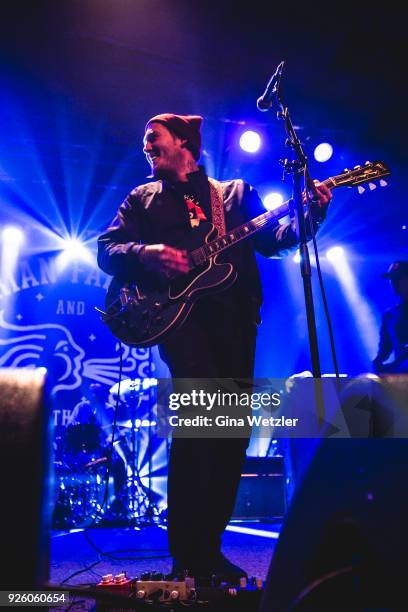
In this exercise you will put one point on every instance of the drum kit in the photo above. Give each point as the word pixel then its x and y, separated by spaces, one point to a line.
pixel 98 479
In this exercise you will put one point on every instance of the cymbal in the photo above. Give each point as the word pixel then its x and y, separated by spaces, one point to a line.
pixel 91 465
pixel 133 386
pixel 127 424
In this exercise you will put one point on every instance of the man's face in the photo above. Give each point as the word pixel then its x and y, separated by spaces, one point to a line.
pixel 164 151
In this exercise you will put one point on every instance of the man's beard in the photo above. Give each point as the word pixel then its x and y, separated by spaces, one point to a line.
pixel 167 173
pixel 159 173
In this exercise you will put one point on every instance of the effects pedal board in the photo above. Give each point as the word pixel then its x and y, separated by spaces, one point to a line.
pixel 157 591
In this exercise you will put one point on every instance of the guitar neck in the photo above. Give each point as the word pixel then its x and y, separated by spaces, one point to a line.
pixel 203 253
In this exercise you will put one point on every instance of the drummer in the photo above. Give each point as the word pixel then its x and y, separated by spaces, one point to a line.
pixel 98 412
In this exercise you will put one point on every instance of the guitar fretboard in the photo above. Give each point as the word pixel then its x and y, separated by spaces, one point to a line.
pixel 207 250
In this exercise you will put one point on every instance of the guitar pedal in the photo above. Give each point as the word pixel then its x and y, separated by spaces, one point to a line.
pixel 120 584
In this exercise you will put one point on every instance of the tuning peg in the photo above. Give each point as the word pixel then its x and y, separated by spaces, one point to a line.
pixel 372 186
pixel 383 183
pixel 357 167
pixel 360 189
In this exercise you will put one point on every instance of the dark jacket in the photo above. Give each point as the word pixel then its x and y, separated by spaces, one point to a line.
pixel 155 213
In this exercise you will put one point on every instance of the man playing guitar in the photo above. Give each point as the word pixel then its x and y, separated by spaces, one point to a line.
pixel 146 240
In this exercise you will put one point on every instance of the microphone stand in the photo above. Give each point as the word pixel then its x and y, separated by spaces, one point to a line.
pixel 298 168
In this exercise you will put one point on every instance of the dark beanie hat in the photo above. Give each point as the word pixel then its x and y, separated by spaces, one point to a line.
pixel 184 126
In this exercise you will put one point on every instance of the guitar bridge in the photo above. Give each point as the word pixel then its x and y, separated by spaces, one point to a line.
pixel 124 296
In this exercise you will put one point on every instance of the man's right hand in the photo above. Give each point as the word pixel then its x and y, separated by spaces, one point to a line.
pixel 164 260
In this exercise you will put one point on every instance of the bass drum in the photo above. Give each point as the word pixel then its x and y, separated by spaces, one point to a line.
pixel 79 494
pixel 80 476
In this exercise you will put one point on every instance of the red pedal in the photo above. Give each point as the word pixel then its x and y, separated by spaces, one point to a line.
pixel 119 584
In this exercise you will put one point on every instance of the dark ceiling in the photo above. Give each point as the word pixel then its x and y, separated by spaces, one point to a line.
pixel 115 63
pixel 127 59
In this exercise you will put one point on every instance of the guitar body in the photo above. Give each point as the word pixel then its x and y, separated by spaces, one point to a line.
pixel 143 314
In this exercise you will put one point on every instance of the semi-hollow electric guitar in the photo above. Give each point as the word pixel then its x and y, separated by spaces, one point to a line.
pixel 143 314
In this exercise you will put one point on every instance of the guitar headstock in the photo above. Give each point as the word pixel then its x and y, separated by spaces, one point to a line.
pixel 368 173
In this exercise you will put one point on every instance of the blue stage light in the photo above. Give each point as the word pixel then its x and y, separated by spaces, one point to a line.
pixel 13 235
pixel 250 141
pixel 12 239
pixel 73 249
pixel 323 152
pixel 335 254
pixel 296 257
pixel 361 310
pixel 273 200
pixel 76 249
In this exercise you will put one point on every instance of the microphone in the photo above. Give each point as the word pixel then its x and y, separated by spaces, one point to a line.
pixel 264 103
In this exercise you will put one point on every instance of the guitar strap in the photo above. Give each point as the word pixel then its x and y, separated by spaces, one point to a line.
pixel 217 206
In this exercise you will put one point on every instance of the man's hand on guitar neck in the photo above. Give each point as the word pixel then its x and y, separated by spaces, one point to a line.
pixel 320 197
pixel 321 194
pixel 164 260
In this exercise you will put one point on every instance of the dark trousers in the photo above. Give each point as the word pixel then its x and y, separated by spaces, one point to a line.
pixel 217 341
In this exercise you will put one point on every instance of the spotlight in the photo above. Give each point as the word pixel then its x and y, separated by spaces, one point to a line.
pixel 296 258
pixel 335 254
pixel 73 249
pixel 12 239
pixel 273 200
pixel 250 141
pixel 323 152
pixel 13 235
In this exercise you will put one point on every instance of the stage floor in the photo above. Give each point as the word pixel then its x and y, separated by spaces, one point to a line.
pixel 82 557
